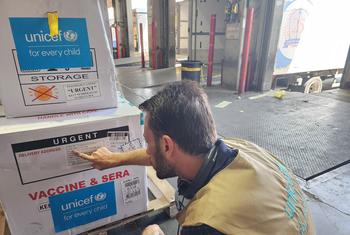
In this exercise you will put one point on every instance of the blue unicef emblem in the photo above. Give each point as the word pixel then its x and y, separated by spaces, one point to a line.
pixel 83 206
pixel 70 35
pixel 36 49
pixel 100 197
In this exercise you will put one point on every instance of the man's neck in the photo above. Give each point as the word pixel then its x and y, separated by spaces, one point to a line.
pixel 187 166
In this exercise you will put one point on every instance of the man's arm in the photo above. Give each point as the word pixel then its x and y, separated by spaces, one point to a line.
pixel 203 229
pixel 153 229
pixel 102 158
pixel 200 230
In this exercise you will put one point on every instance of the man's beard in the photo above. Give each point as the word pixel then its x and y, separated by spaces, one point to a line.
pixel 161 166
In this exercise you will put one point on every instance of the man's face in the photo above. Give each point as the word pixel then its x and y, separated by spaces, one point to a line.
pixel 158 159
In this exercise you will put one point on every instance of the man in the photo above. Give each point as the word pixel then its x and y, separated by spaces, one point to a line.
pixel 235 187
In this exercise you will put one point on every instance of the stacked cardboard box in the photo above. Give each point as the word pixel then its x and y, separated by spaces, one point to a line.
pixel 45 188
pixel 71 71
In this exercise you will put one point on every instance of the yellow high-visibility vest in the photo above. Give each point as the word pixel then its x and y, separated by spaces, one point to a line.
pixel 255 194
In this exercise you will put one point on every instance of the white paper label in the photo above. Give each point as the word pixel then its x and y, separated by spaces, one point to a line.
pixel 82 90
pixel 131 190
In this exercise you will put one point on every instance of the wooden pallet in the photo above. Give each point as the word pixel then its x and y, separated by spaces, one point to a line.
pixel 164 200
pixel 4 229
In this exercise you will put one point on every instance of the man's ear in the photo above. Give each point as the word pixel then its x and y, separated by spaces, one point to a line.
pixel 167 146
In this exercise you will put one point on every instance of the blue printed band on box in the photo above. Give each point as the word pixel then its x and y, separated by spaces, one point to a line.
pixel 36 49
pixel 83 206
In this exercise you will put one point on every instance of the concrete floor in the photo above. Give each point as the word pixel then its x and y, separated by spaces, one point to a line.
pixel 328 195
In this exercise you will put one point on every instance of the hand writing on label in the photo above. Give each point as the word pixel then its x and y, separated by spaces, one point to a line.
pixel 101 159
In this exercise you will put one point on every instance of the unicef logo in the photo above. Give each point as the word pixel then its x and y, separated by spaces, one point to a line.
pixel 70 36
pixel 100 196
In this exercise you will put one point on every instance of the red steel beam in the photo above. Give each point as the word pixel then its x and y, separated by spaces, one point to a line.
pixel 141 42
pixel 246 46
pixel 154 45
pixel 211 49
pixel 117 41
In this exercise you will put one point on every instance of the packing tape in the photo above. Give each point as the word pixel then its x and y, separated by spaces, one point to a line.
pixel 53 23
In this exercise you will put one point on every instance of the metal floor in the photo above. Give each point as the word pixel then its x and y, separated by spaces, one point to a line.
pixel 309 133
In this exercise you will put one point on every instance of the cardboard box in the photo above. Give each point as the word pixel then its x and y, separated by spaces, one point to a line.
pixel 45 189
pixel 72 71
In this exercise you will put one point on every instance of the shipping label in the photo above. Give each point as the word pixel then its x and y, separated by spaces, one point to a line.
pixel 82 90
pixel 131 189
pixel 131 145
pixel 58 85
pixel 43 159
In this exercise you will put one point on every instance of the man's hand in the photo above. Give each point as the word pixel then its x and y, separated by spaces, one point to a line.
pixel 101 159
pixel 153 229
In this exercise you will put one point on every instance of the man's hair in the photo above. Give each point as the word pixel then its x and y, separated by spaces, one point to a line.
pixel 181 111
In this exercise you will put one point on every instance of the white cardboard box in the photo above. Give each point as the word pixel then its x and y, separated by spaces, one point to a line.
pixel 40 74
pixel 36 162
